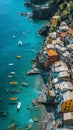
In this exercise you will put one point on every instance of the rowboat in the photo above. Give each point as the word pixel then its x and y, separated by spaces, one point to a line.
pixel 24 83
pixel 12 72
pixel 9 76
pixel 11 64
pixel 18 57
pixel 13 83
pixel 13 98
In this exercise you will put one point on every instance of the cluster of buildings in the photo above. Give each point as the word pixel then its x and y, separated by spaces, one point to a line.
pixel 58 56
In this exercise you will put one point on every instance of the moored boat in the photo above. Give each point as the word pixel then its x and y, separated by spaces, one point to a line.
pixel 19 43
pixel 12 72
pixel 18 105
pixel 11 64
pixel 13 98
pixel 18 57
pixel 13 83
pixel 9 76
pixel 24 83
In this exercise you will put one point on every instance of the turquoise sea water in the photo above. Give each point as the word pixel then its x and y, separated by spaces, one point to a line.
pixel 11 24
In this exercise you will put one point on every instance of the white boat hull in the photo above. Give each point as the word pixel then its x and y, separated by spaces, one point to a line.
pixel 18 105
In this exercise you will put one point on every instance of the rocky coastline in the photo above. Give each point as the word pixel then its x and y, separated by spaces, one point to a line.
pixel 46 10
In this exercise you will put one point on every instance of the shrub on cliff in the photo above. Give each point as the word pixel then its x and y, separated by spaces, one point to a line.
pixel 61 7
pixel 65 14
pixel 71 25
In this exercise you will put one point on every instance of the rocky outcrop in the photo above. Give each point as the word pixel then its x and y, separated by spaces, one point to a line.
pixel 46 11
pixel 40 13
pixel 28 4
pixel 38 1
pixel 44 31
pixel 11 126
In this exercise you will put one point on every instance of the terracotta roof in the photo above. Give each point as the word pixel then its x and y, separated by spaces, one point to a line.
pixel 52 52
pixel 70 31
pixel 63 34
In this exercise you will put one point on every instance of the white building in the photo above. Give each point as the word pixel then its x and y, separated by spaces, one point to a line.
pixel 68 118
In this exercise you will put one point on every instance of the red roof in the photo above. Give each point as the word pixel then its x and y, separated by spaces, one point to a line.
pixel 63 34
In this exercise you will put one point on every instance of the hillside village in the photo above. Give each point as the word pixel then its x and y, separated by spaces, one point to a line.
pixel 57 58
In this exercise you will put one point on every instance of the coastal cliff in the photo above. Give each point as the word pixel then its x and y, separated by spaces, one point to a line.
pixel 38 1
pixel 48 8
pixel 46 11
pixel 61 7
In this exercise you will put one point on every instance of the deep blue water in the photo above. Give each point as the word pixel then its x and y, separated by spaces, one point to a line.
pixel 11 23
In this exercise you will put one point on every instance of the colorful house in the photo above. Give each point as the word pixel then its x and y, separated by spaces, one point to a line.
pixel 59 66
pixel 55 20
pixel 50 56
pixel 49 40
pixel 68 118
pixel 63 26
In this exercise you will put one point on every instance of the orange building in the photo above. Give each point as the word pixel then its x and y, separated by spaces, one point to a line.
pixel 50 57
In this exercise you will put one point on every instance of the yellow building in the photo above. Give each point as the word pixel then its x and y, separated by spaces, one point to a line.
pixel 67 105
pixel 55 20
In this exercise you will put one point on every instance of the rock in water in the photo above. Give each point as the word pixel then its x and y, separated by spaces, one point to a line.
pixel 11 126
pixel 29 127
pixel 38 1
pixel 44 31
pixel 35 119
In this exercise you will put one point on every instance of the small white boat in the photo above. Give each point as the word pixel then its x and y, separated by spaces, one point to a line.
pixel 12 72
pixel 24 83
pixel 18 105
pixel 11 64
pixel 13 36
pixel 19 43
pixel 9 76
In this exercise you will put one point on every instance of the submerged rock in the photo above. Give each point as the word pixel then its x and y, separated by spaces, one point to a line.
pixel 11 126
pixel 28 4
pixel 34 102
pixel 29 107
pixel 36 108
pixel 4 114
pixel 1 99
pixel 35 119
pixel 29 127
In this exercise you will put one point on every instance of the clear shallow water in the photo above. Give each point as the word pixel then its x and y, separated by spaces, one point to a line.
pixel 13 24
